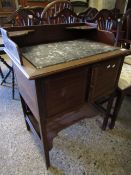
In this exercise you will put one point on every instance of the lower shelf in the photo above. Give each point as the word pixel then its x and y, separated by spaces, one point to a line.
pixel 59 122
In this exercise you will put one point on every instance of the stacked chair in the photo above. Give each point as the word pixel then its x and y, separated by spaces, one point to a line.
pixel 124 86
pixel 105 19
pixel 66 16
pixel 21 17
pixel 88 14
pixel 26 16
pixel 123 39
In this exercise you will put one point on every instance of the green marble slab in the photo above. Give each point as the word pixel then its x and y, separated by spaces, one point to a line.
pixel 44 55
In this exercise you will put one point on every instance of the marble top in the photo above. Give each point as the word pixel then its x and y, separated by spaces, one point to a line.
pixel 44 55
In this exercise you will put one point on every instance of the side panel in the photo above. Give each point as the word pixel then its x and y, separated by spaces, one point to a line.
pixel 27 90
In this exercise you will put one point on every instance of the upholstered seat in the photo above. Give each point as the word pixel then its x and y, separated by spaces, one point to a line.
pixel 127 59
pixel 125 77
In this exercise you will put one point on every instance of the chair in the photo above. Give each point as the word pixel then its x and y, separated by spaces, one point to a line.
pixel 107 21
pixel 124 85
pixel 88 14
pixel 104 19
pixel 53 8
pixel 37 11
pixel 66 16
pixel 124 88
pixel 26 16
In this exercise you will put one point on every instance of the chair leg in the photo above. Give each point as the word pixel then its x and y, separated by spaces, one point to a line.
pixel 117 107
pixel 2 75
pixel 108 111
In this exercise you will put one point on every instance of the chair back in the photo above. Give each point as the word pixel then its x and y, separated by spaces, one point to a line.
pixel 53 8
pixel 88 14
pixel 104 18
pixel 66 16
pixel 26 16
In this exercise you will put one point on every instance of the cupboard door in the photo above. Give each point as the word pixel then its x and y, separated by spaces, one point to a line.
pixel 104 78
pixel 65 91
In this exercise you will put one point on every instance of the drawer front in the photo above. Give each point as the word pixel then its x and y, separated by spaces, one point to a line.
pixel 104 78
pixel 65 91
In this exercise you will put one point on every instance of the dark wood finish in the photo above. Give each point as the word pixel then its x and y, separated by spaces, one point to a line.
pixel 65 91
pixel 57 96
pixel 30 95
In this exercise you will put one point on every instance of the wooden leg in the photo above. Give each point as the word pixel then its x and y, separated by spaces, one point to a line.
pixel 108 111
pixel 45 143
pixel 118 103
pixel 43 133
pixel 25 112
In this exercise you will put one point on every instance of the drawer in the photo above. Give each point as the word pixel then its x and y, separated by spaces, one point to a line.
pixel 104 78
pixel 65 91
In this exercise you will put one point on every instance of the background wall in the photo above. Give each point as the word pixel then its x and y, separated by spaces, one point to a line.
pixel 102 4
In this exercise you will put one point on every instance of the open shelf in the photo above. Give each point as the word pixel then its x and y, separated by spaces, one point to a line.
pixel 57 123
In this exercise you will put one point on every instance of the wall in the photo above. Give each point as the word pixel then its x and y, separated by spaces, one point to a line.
pixel 102 4
pixel 121 5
